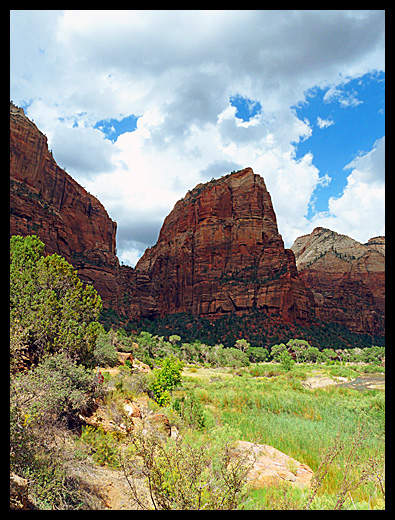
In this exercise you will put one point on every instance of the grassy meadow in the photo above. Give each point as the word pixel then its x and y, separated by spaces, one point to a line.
pixel 266 404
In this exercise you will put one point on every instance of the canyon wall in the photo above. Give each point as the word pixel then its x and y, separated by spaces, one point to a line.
pixel 346 277
pixel 218 252
pixel 47 202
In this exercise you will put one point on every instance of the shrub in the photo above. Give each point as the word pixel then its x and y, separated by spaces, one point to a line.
pixel 190 410
pixel 57 388
pixel 50 309
pixel 182 476
pixel 166 378
pixel 105 352
pixel 105 445
pixel 286 360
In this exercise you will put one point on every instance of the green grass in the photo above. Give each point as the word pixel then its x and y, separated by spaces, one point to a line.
pixel 277 410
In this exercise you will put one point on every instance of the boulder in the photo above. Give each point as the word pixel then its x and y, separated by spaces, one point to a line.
pixel 159 423
pixel 132 409
pixel 19 488
pixel 123 356
pixel 141 367
pixel 270 467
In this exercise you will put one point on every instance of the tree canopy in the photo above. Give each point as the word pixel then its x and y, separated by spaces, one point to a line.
pixel 50 308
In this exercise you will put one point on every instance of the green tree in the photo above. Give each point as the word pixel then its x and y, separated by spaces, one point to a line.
pixel 299 347
pixel 330 354
pixel 105 352
pixel 235 358
pixel 242 344
pixel 311 354
pixel 166 378
pixel 277 350
pixel 257 354
pixel 286 360
pixel 174 339
pixel 50 309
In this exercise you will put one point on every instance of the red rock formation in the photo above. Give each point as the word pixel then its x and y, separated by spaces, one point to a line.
pixel 347 278
pixel 47 202
pixel 219 251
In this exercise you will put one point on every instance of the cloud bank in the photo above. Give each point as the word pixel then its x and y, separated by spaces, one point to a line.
pixel 178 71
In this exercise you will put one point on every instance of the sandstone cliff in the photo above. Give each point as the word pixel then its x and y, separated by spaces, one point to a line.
pixel 219 251
pixel 347 278
pixel 47 202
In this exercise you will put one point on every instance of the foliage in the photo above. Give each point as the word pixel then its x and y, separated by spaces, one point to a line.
pixel 357 469
pixel 277 350
pixel 190 410
pixel 257 354
pixel 50 309
pixel 57 388
pixel 104 444
pixel 242 344
pixel 166 378
pixel 105 352
pixel 286 360
pixel 44 406
pixel 183 476
pixel 258 327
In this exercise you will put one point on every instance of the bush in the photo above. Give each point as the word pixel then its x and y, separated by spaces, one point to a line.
pixel 286 360
pixel 44 401
pixel 166 378
pixel 105 352
pixel 183 476
pixel 50 309
pixel 57 388
pixel 235 358
pixel 190 410
pixel 105 445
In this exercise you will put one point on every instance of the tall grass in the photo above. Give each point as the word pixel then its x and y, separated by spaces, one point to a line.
pixel 279 411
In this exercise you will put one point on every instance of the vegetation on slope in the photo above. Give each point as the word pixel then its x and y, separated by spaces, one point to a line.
pixel 214 395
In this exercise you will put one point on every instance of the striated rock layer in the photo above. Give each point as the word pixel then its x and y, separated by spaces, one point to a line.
pixel 347 278
pixel 219 251
pixel 47 202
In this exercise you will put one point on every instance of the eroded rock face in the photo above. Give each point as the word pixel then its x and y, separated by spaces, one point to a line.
pixel 219 251
pixel 347 278
pixel 47 202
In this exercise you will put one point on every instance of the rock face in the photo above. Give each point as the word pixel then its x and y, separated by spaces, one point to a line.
pixel 219 251
pixel 47 202
pixel 347 278
pixel 270 467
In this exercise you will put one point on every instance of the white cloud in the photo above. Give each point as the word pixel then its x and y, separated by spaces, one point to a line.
pixel 360 210
pixel 83 151
pixel 178 70
pixel 324 123
pixel 345 98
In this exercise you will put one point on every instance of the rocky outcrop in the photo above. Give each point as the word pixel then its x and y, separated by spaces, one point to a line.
pixel 47 202
pixel 19 494
pixel 346 277
pixel 219 251
pixel 270 467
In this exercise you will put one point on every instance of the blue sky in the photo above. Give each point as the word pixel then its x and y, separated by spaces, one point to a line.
pixel 141 106
pixel 112 128
pixel 345 124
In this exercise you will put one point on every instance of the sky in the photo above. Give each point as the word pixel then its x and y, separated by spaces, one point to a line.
pixel 141 106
